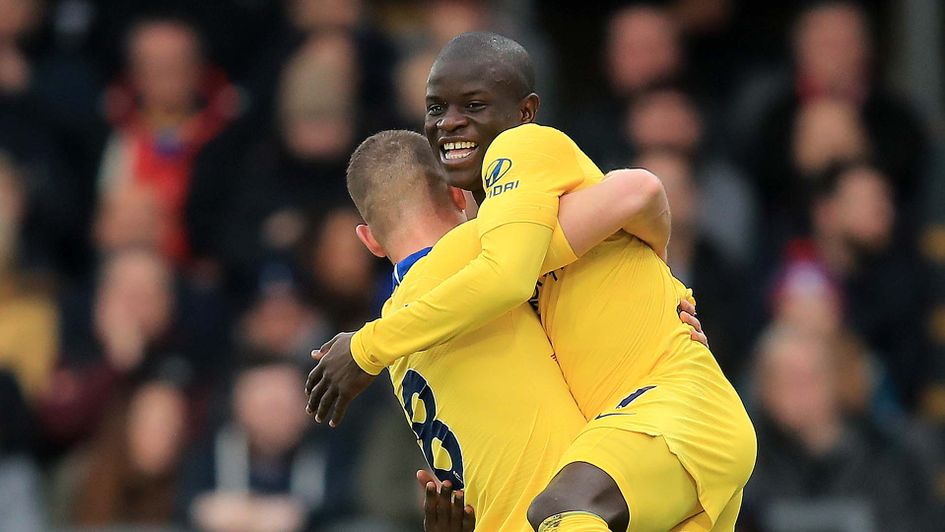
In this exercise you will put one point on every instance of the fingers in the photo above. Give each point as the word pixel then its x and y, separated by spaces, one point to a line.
pixel 696 333
pixel 430 499
pixel 317 354
pixel 443 504
pixel 456 508
pixel 315 398
pixel 469 519
pixel 686 306
pixel 327 345
pixel 314 377
pixel 324 406
pixel 700 337
pixel 690 320
pixel 424 477
pixel 340 407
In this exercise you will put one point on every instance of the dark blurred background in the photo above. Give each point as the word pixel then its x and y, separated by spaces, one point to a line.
pixel 175 238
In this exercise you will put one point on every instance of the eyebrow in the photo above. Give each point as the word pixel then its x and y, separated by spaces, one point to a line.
pixel 467 94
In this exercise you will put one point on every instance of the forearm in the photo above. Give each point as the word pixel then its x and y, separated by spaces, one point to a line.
pixel 632 200
pixel 500 278
pixel 653 224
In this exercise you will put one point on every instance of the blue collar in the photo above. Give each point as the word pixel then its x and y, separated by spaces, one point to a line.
pixel 402 267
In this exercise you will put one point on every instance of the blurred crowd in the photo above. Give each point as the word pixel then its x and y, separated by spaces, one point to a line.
pixel 175 238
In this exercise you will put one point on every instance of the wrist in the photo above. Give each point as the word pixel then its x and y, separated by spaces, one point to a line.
pixel 360 353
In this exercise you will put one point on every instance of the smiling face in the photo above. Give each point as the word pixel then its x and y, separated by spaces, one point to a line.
pixel 468 105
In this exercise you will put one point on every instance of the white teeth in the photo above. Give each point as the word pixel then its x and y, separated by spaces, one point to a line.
pixel 459 145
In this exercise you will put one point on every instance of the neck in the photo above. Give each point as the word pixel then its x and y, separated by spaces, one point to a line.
pixel 411 239
pixel 835 254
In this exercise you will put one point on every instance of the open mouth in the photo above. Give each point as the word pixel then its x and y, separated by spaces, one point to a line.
pixel 457 151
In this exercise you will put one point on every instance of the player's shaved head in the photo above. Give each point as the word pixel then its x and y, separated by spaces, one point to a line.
pixel 508 63
pixel 393 177
pixel 481 84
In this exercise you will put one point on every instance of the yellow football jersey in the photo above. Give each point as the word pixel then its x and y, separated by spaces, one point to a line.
pixel 612 319
pixel 490 408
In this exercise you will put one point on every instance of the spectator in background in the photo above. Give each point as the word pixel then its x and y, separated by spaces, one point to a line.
pixel 259 471
pixel 303 22
pixel 140 320
pixel 32 137
pixel 642 51
pixel 808 300
pixel 28 320
pixel 346 283
pixel 722 295
pixel 280 321
pixel 255 192
pixel 130 473
pixel 813 464
pixel 445 19
pixel 665 117
pixel 832 108
pixel 170 105
pixel 20 18
pixel 853 220
pixel 411 80
pixel 20 500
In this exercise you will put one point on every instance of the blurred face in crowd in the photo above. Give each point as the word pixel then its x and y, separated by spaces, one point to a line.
pixel 166 66
pixel 313 15
pixel 156 428
pixel 808 300
pixel 411 86
pixel 832 48
pixel 797 381
pixel 642 48
pixel 675 171
pixel 825 131
pixel 861 210
pixel 340 261
pixel 449 18
pixel 135 291
pixel 317 97
pixel 664 119
pixel 267 407
pixel 18 17
pixel 278 321
pixel 467 108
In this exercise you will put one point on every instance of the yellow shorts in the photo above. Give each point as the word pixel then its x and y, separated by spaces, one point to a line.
pixel 660 493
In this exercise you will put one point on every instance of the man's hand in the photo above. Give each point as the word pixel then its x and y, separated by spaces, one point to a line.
pixel 687 314
pixel 335 381
pixel 445 510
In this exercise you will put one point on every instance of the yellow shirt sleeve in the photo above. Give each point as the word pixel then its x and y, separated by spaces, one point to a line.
pixel 528 168
pixel 511 257
pixel 560 253
pixel 522 164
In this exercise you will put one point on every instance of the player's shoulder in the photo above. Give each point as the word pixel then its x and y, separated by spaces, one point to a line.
pixel 527 135
pixel 450 253
pixel 457 243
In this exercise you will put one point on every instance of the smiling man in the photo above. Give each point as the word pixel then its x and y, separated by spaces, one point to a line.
pixel 667 444
pixel 489 408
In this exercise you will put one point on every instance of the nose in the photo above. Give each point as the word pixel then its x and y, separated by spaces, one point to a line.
pixel 452 120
